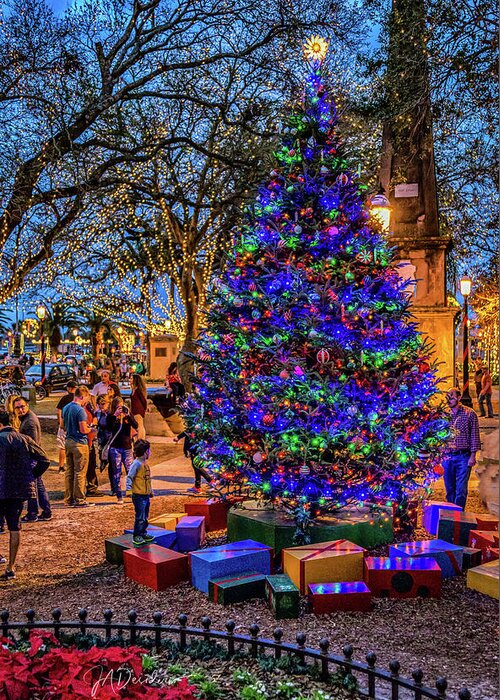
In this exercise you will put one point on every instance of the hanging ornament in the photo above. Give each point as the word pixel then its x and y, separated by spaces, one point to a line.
pixel 297 229
pixel 323 356
pixel 304 470
pixel 287 315
pixel 324 170
pixel 284 374
pixel 351 410
pixel 298 371
pixel 238 303
pixel 343 179
pixel 364 256
pixel 252 287
pixel 255 314
pixel 313 333
pixel 268 419
pixel 228 338
pixel 204 356
pixel 258 458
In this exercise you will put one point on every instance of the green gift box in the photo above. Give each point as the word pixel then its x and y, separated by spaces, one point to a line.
pixel 454 526
pixel 115 546
pixel 283 596
pixel 472 558
pixel 236 588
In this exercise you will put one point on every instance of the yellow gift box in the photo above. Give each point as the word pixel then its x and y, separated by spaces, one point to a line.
pixel 323 562
pixel 167 521
pixel 484 578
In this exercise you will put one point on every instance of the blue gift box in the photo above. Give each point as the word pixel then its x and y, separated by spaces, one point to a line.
pixel 448 556
pixel 227 559
pixel 430 514
pixel 163 538
pixel 190 532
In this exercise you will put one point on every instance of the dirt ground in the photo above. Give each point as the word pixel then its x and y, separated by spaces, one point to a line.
pixel 61 564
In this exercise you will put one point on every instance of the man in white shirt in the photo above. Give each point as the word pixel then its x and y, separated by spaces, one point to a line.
pixel 103 386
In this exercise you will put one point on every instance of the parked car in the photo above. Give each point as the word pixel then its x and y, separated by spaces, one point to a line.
pixel 56 377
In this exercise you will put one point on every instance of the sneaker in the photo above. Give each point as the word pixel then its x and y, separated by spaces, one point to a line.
pixel 30 519
pixel 138 541
pixel 7 575
pixel 194 489
pixel 96 494
pixel 3 560
pixel 148 538
pixel 45 517
pixel 84 504
pixel 119 502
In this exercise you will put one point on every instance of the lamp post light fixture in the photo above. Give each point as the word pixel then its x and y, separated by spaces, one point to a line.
pixel 380 209
pixel 41 313
pixel 465 290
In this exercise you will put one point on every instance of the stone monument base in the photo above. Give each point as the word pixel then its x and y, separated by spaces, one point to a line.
pixel 272 527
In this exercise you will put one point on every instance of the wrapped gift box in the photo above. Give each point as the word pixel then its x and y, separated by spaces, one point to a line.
pixel 491 554
pixel 326 598
pixel 325 562
pixel 228 560
pixel 484 579
pixel 485 521
pixel 163 538
pixel 115 546
pixel 454 526
pixel 430 514
pixel 155 567
pixel 283 596
pixel 167 521
pixel 190 531
pixel 472 558
pixel 214 512
pixel 403 577
pixel 483 540
pixel 236 588
pixel 448 556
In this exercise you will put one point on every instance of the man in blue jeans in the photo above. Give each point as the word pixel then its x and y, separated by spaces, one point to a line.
pixel 460 453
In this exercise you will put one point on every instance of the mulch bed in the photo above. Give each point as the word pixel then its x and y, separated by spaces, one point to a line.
pixel 61 564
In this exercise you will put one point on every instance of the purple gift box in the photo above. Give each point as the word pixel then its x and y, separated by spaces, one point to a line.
pixel 430 514
pixel 227 559
pixel 448 556
pixel 190 532
pixel 163 538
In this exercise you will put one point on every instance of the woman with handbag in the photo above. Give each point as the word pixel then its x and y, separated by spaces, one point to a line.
pixel 121 425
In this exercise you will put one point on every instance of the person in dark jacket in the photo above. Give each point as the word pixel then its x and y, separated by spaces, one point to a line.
pixel 21 461
pixel 196 462
pixel 121 424
pixel 30 427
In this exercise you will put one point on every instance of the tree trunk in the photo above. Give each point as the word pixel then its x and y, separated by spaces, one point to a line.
pixel 190 297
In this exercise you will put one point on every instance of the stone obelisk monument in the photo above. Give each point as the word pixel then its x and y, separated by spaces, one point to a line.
pixel 407 174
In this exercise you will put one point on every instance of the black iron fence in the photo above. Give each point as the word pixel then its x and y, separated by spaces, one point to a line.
pixel 373 682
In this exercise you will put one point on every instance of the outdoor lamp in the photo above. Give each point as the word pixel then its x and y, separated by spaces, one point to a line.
pixel 380 209
pixel 465 286
pixel 41 312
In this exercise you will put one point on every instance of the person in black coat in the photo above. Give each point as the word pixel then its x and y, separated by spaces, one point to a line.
pixel 21 461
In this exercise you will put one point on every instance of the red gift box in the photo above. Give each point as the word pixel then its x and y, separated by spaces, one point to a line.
pixel 155 567
pixel 325 598
pixel 483 540
pixel 491 554
pixel 214 512
pixel 403 577
pixel 485 521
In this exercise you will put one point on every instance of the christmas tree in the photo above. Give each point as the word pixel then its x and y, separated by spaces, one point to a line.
pixel 313 388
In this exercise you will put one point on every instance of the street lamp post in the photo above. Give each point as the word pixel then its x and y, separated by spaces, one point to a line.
pixel 41 312
pixel 465 289
pixel 380 209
